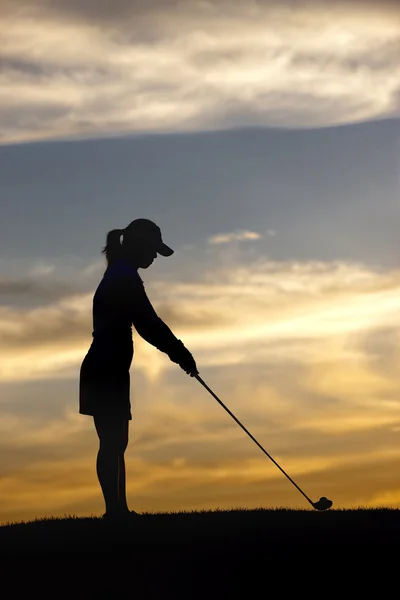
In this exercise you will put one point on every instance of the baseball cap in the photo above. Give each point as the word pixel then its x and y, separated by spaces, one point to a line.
pixel 148 231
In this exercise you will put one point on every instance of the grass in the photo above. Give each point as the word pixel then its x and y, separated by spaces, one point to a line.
pixel 166 537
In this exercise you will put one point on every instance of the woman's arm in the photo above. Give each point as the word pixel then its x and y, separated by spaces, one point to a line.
pixel 149 325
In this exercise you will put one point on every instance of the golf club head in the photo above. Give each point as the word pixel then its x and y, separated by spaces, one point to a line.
pixel 322 504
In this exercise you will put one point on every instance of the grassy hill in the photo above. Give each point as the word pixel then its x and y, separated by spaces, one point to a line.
pixel 170 536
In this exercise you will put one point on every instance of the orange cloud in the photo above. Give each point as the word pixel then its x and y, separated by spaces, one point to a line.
pixel 306 356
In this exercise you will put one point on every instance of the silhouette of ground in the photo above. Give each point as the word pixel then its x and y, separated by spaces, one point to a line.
pixel 164 538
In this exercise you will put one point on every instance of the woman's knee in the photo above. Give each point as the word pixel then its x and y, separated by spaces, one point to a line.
pixel 113 442
pixel 113 434
pixel 111 446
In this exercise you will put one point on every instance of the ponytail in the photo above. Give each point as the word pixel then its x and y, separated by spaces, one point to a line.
pixel 113 247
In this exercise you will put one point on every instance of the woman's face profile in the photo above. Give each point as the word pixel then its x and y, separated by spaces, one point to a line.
pixel 143 255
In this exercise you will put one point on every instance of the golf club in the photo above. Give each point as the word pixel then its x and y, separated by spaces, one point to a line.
pixel 322 504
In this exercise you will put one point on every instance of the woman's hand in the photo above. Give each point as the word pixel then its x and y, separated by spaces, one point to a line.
pixel 185 360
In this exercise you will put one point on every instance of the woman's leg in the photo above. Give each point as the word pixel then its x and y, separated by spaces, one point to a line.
pixel 113 436
pixel 122 503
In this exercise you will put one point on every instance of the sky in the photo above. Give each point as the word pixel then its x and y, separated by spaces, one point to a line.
pixel 263 138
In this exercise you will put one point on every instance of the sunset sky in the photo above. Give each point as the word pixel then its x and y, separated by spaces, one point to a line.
pixel 264 139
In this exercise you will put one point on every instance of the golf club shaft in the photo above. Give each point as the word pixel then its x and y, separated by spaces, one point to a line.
pixel 253 438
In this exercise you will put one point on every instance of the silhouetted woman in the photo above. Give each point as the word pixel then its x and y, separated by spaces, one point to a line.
pixel 104 386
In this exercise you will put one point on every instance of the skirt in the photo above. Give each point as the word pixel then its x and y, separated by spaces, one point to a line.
pixel 104 384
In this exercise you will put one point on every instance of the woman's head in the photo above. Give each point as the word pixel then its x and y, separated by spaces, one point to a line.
pixel 141 242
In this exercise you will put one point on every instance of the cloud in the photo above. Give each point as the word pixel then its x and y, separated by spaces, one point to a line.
pixel 190 454
pixel 14 291
pixel 101 11
pixel 97 70
pixel 239 236
pixel 41 269
pixel 297 350
pixel 233 314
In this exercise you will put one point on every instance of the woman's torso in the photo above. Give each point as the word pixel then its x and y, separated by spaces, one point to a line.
pixel 112 322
